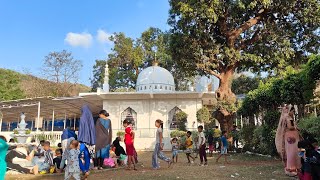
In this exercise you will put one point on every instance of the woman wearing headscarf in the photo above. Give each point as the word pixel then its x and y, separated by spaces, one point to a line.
pixel 87 139
pixel 104 138
pixel 287 138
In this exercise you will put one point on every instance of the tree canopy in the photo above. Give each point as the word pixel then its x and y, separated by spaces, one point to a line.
pixel 243 84
pixel 130 56
pixel 219 37
pixel 294 88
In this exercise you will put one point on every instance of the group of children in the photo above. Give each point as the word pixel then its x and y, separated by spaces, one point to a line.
pixel 200 147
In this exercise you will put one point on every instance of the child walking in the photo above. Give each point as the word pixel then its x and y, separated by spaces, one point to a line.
pixel 189 147
pixel 157 153
pixel 202 146
pixel 175 149
pixel 72 156
pixel 224 147
pixel 128 140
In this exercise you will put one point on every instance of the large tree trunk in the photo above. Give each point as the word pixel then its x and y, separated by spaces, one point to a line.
pixel 225 96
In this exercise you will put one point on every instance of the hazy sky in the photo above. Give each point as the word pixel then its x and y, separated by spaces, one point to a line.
pixel 30 29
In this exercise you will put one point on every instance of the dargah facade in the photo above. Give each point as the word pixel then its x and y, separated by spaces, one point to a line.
pixel 155 98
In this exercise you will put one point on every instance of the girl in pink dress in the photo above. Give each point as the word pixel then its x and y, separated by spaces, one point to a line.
pixel 128 140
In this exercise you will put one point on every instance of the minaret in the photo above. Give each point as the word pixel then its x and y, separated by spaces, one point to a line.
pixel 106 79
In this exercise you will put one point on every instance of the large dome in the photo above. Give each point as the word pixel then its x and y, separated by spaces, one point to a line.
pixel 155 79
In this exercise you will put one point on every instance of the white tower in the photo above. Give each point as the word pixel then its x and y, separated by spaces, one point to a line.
pixel 106 79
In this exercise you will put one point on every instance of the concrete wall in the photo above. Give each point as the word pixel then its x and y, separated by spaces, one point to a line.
pixel 147 112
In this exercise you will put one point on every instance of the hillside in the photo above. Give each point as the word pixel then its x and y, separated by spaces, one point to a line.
pixel 14 85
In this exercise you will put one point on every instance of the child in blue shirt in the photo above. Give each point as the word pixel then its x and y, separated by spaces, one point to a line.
pixel 224 147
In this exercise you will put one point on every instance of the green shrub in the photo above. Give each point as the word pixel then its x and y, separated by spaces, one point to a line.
pixel 182 119
pixel 177 133
pixel 120 133
pixel 203 115
pixel 246 134
pixel 263 140
pixel 271 118
pixel 310 125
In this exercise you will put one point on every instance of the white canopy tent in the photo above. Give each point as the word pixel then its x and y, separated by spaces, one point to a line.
pixel 48 108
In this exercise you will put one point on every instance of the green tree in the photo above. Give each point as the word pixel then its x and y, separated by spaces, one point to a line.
pixel 98 75
pixel 243 84
pixel 10 85
pixel 130 56
pixel 125 62
pixel 220 37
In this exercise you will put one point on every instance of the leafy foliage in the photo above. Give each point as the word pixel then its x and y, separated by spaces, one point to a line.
pixel 10 85
pixel 243 84
pixel 98 75
pixel 177 133
pixel 310 125
pixel 203 115
pixel 181 118
pixel 220 37
pixel 296 87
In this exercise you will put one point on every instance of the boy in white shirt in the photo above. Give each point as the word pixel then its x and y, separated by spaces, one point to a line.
pixel 202 146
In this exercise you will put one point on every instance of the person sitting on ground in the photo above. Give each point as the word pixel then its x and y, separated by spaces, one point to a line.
pixel 57 160
pixel 13 153
pixel 48 160
pixel 37 153
pixel 111 161
pixel 118 149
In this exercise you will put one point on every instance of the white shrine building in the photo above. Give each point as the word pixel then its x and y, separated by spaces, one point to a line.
pixel 155 98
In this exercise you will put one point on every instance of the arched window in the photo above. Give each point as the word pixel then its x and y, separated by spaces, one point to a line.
pixel 172 118
pixel 131 115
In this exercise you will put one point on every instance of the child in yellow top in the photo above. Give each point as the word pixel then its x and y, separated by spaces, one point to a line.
pixel 189 147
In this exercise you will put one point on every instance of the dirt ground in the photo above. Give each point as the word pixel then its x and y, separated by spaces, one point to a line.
pixel 242 166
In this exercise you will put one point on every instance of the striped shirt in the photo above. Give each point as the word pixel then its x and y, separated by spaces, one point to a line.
pixel 48 157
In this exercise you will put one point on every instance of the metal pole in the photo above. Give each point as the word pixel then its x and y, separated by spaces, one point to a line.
pixel 65 120
pixel 74 123
pixel 38 120
pixel 0 124
pixel 52 124
pixel 241 121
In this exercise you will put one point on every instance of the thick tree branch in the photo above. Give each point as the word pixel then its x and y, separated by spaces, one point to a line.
pixel 245 26
pixel 204 68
